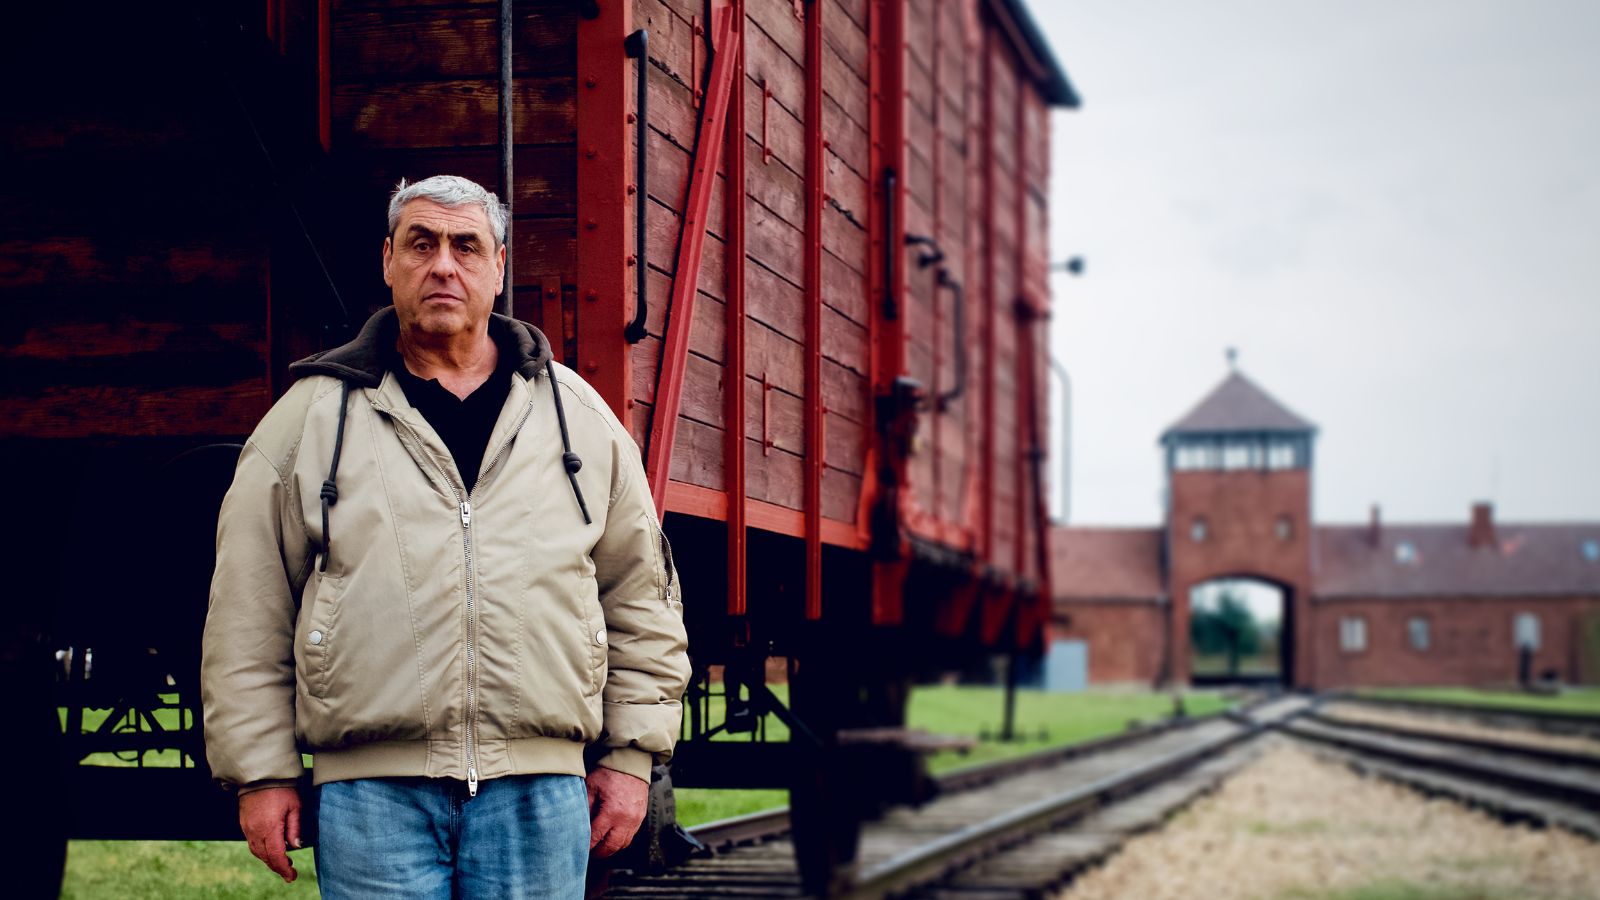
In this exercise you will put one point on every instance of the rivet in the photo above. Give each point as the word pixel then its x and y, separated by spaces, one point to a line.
pixel 590 153
pixel 550 293
pixel 632 118
pixel 591 366
pixel 632 259
pixel 600 636
pixel 316 638
pixel 633 189
pixel 591 296
pixel 591 81
pixel 591 224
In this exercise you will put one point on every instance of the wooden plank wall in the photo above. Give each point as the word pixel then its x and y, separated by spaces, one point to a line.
pixel 774 234
pixel 134 253
pixel 941 160
pixel 415 92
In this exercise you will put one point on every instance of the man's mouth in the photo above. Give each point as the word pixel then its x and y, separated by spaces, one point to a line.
pixel 440 295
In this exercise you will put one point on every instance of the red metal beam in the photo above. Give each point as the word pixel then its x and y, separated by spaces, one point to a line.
pixel 686 272
pixel 813 286
pixel 604 281
pixel 734 378
pixel 1020 312
pixel 991 317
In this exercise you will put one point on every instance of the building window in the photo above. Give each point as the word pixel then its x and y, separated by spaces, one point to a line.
pixel 1405 553
pixel 1197 529
pixel 1525 631
pixel 1591 550
pixel 1417 630
pixel 1352 634
pixel 1285 528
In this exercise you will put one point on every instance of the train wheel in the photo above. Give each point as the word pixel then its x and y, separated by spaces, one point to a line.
pixel 40 845
pixel 826 822
pixel 836 788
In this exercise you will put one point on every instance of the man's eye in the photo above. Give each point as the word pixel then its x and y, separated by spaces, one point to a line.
pixel 422 246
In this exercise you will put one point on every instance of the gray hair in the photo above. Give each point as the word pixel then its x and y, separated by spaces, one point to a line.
pixel 452 191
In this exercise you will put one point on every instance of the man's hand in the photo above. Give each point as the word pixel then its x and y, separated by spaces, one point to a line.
pixel 270 818
pixel 617 803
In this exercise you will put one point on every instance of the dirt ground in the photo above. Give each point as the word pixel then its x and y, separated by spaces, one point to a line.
pixel 1293 826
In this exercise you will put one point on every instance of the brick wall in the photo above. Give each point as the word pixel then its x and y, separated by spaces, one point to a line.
pixel 1470 640
pixel 1126 638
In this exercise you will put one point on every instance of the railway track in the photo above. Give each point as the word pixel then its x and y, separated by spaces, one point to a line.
pixel 1513 779
pixel 1565 723
pixel 1009 830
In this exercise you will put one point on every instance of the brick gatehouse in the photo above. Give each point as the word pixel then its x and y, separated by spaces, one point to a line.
pixel 1365 604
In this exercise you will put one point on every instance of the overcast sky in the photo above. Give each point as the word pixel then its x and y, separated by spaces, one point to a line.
pixel 1392 210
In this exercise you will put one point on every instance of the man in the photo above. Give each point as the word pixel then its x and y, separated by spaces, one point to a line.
pixel 439 570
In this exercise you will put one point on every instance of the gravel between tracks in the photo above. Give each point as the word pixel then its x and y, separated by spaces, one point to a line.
pixel 1446 724
pixel 1293 826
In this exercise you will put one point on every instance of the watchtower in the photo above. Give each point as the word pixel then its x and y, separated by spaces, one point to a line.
pixel 1238 505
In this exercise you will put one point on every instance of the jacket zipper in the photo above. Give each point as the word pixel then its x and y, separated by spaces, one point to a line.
pixel 464 506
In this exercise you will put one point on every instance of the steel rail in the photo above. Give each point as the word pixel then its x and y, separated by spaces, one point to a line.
pixel 1550 784
pixel 1543 754
pixel 957 849
pixel 1568 722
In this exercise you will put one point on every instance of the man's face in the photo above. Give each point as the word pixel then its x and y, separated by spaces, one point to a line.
pixel 443 268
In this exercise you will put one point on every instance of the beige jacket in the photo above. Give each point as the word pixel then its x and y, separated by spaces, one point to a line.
pixel 451 635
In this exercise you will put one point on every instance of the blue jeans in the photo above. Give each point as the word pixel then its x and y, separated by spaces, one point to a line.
pixel 522 836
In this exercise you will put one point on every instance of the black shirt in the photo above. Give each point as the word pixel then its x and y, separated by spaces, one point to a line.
pixel 463 424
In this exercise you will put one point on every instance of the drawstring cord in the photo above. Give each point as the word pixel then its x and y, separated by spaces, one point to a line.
pixel 330 490
pixel 569 460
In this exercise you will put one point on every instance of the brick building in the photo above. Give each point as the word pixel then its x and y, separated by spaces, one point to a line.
pixel 1366 604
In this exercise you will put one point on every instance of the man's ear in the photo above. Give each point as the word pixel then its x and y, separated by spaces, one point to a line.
pixel 388 257
pixel 500 271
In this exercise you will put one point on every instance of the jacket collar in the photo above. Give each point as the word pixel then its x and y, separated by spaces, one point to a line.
pixel 365 358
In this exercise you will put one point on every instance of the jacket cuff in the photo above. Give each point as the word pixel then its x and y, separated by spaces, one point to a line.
pixel 267 783
pixel 629 761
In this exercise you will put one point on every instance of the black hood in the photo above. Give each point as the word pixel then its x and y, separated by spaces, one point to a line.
pixel 364 359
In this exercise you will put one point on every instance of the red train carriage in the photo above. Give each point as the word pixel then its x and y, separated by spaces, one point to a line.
pixel 800 247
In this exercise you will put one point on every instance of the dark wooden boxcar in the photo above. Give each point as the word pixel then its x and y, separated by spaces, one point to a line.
pixel 836 375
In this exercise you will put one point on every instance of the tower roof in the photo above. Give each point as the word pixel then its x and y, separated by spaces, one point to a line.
pixel 1238 405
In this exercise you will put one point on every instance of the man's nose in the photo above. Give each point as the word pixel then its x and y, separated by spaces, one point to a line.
pixel 445 263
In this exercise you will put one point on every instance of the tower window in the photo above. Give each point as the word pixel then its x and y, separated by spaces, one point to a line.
pixel 1405 553
pixel 1197 529
pixel 1417 628
pixel 1352 634
pixel 1285 528
pixel 1591 550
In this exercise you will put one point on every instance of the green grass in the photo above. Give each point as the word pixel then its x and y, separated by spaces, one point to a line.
pixel 205 870
pixel 191 870
pixel 1576 701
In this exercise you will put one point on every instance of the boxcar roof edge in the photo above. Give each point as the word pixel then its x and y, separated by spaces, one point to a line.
pixel 1053 83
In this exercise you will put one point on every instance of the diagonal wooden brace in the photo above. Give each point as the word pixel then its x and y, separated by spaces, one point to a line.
pixel 691 241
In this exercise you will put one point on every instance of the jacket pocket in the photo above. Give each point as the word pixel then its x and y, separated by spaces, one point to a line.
pixel 315 633
pixel 594 627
